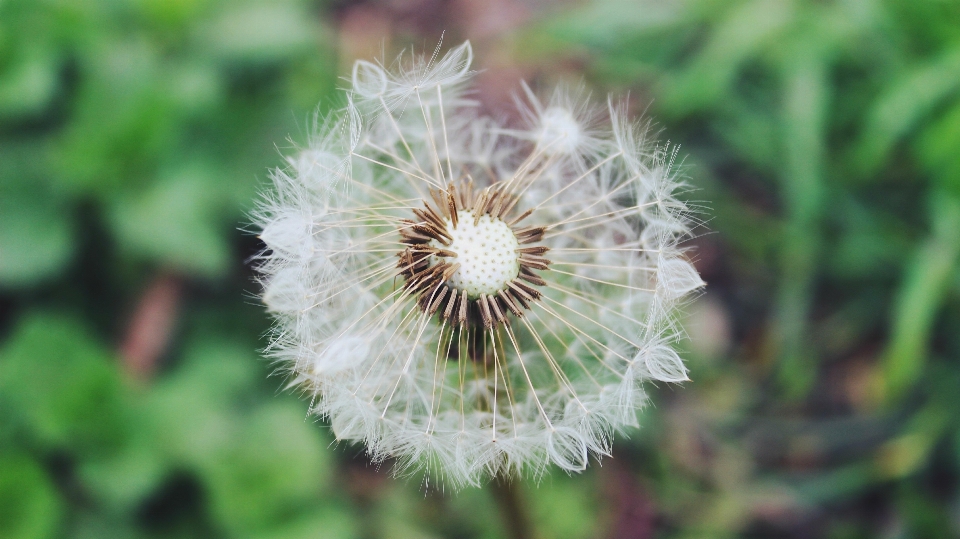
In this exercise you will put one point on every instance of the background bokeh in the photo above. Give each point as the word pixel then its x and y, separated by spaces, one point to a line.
pixel 821 137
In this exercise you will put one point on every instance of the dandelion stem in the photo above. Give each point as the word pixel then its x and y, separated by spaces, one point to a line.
pixel 516 520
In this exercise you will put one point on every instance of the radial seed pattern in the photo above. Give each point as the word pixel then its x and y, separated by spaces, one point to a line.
pixel 465 263
pixel 470 298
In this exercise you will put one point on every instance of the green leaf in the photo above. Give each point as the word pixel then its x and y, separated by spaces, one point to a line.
pixel 124 479
pixel 36 235
pixel 176 221
pixel 29 505
pixel 191 410
pixel 560 510
pixel 275 462
pixel 601 22
pixel 261 32
pixel 921 295
pixel 870 244
pixel 29 84
pixel 804 117
pixel 937 149
pixel 905 102
pixel 173 13
pixel 744 31
pixel 99 526
pixel 332 521
pixel 752 134
pixel 64 384
pixel 126 117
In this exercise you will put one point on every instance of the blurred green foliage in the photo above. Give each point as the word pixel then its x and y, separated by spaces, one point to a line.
pixel 822 135
pixel 844 105
pixel 159 114
pixel 132 136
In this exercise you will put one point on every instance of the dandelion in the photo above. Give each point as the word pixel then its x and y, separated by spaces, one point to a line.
pixel 470 298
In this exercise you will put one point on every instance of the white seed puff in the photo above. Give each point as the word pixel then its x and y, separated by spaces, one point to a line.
pixel 470 298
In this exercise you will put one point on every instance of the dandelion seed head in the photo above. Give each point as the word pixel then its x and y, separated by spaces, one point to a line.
pixel 471 298
pixel 560 132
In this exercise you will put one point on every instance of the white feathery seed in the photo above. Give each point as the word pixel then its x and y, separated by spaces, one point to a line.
pixel 559 131
pixel 470 298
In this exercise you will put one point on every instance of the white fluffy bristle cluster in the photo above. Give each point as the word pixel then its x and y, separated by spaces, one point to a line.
pixel 486 252
pixel 468 386
pixel 560 132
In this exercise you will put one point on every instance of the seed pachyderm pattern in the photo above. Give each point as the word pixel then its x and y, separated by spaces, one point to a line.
pixel 470 297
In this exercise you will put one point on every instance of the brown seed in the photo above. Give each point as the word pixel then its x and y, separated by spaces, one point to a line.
pixel 534 262
pixel 520 217
pixel 497 204
pixel 505 296
pixel 438 198
pixel 448 312
pixel 469 194
pixel 532 292
pixel 452 207
pixel 532 279
pixel 438 299
pixel 463 309
pixel 430 217
pixel 509 207
pixel 532 238
pixel 411 237
pixel 539 250
pixel 497 310
pixel 448 273
pixel 485 311
pixel 519 298
pixel 478 207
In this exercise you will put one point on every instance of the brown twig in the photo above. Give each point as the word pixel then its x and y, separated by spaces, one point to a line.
pixel 151 326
